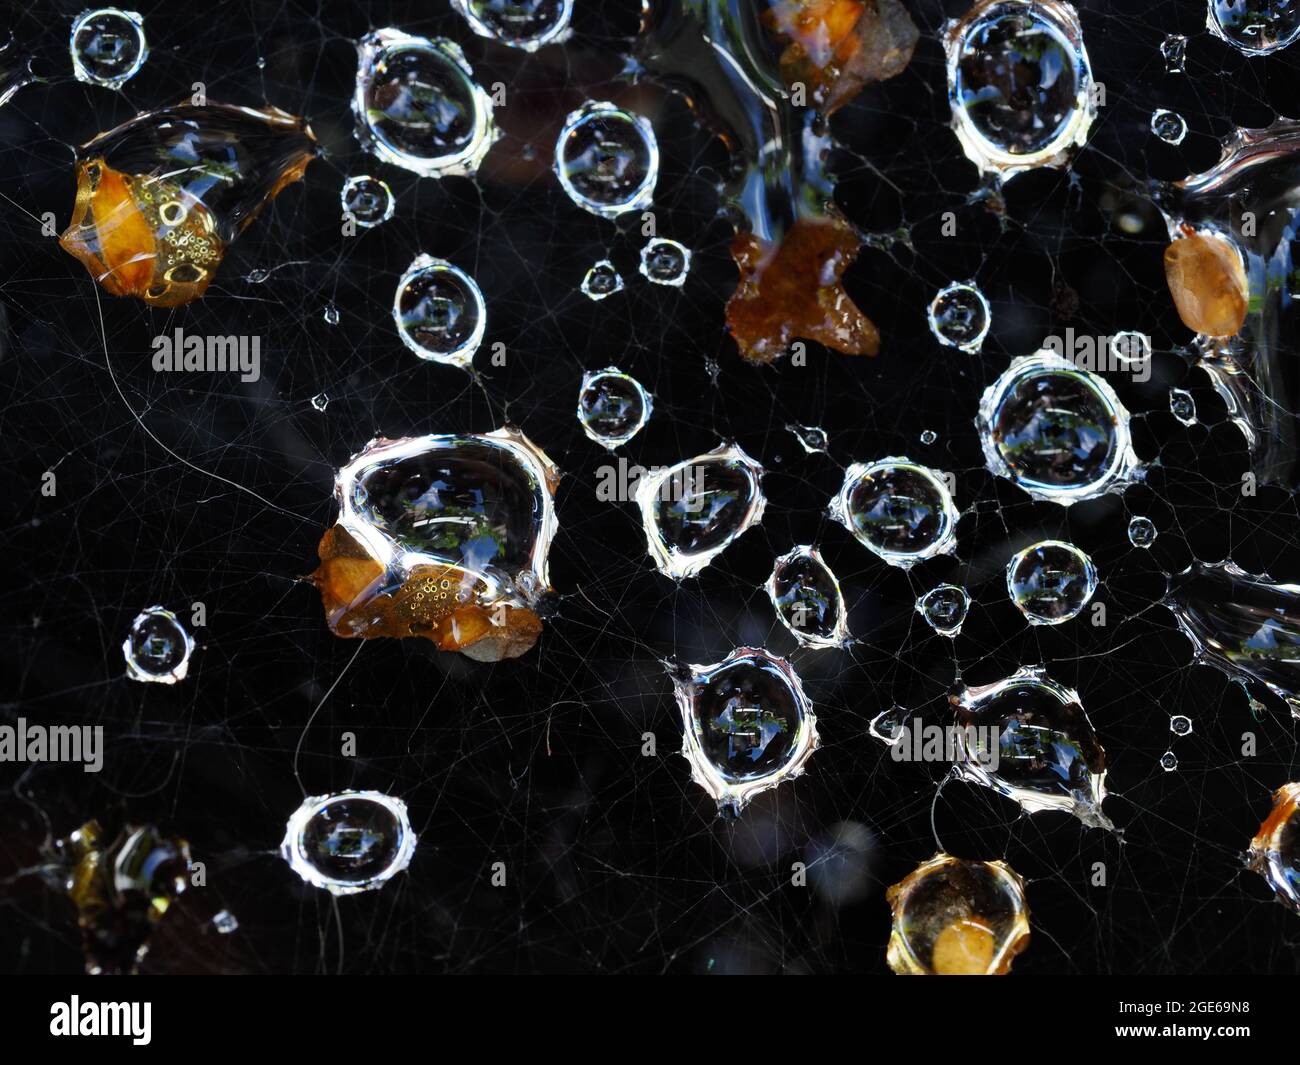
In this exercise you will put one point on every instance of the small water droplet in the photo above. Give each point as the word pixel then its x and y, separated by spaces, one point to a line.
pixel 225 922
pixel 1169 126
pixel 929 436
pixel 612 406
pixel 960 317
pixel 665 262
pixel 1182 405
pixel 944 608
pixel 1142 531
pixel 602 280
pixel 349 842
pixel 1169 761
pixel 1051 582
pixel 1174 50
pixel 157 649
pixel 607 159
pixel 439 311
pixel 898 509
pixel 812 438
pixel 320 401
pixel 1180 725
pixel 257 276
pixel 331 314
pixel 367 200
pixel 108 46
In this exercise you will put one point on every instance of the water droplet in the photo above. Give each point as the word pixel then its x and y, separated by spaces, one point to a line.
pixel 944 608
pixel 1020 84
pixel 929 436
pixel 225 922
pixel 257 275
pixel 367 200
pixel 1142 531
pixel 108 46
pixel 747 725
pixel 1169 126
pixel 1275 851
pixel 1051 582
pixel 417 105
pixel 888 725
pixel 602 280
pixel 1169 761
pixel 158 648
pixel 320 401
pixel 898 509
pixel 1182 405
pixel 526 24
pixel 607 159
pixel 1048 757
pixel 807 598
pixel 693 511
pixel 1255 28
pixel 331 314
pixel 612 406
pixel 1130 349
pixel 1174 50
pixel 960 317
pixel 349 842
pixel 442 537
pixel 1180 725
pixel 439 311
pixel 812 438
pixel 955 917
pixel 665 262
pixel 1057 431
pixel 1247 626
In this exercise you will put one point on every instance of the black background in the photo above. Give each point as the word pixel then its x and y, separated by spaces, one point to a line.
pixel 615 862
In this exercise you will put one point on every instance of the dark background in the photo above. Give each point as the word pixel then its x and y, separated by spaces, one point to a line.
pixel 616 862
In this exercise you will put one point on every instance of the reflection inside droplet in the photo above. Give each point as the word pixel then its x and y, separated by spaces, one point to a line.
pixel 1051 582
pixel 349 842
pixel 439 311
pixel 612 406
pixel 158 649
pixel 807 598
pixel 607 159
pixel 108 46
pixel 900 510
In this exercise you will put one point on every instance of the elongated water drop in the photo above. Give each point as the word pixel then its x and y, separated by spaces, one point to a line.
pixel 807 598
pixel 944 608
pixel 439 311
pixel 612 406
pixel 526 24
pixel 812 438
pixel 157 649
pixel 367 200
pixel 607 159
pixel 1182 405
pixel 960 317
pixel 1051 582
pixel 1174 50
pixel 349 842
pixel 108 46
pixel 1275 851
pixel 898 509
pixel 747 725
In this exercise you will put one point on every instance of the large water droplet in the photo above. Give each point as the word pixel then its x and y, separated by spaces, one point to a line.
pixel 417 105
pixel 1048 757
pixel 108 46
pixel 1275 851
pixel 692 511
pixel 157 649
pixel 747 725
pixel 944 608
pixel 439 311
pixel 607 159
pixel 1058 432
pixel 1255 27
pixel 1019 83
pixel 665 262
pixel 367 200
pixel 602 280
pixel 526 24
pixel 1051 582
pixel 955 917
pixel 899 509
pixel 612 406
pixel 349 842
pixel 960 317
pixel 807 598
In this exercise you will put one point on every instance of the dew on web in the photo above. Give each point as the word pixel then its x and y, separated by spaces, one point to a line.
pixel 1275 851
pixel 417 105
pixel 157 649
pixel 1051 582
pixel 1169 126
pixel 602 280
pixel 898 509
pixel 225 922
pixel 349 842
pixel 928 436
pixel 888 726
pixel 108 46
pixel 367 200
pixel 1180 725
pixel 665 262
pixel 1169 761
pixel 960 317
pixel 1131 350
pixel 747 725
pixel 525 24
pixel 1047 756
pixel 440 312
pixel 1142 531
pixel 807 598
pixel 607 159
pixel 1174 50
pixel 957 917
pixel 612 406
pixel 1182 405
pixel 1252 28
pixel 693 511
pixel 320 401
pixel 811 438
pixel 944 608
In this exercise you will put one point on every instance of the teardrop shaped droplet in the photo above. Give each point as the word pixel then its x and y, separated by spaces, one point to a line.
pixel 367 200
pixel 1047 755
pixel 944 608
pixel 612 406
pixel 898 509
pixel 157 649
pixel 1057 431
pixel 349 842
pixel 956 917
pixel 602 280
pixel 161 197
pixel 607 159
pixel 747 725
pixel 526 24
pixel 960 317
pixel 665 262
pixel 1019 83
pixel 1051 582
pixel 443 537
pixel 807 598
pixel 417 105
pixel 693 511
pixel 440 312
pixel 1182 405
pixel 1255 28
pixel 108 46
pixel 1275 851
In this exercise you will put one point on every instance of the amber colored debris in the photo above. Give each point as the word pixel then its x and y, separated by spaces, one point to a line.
pixel 439 603
pixel 1208 283
pixel 793 291
pixel 837 46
